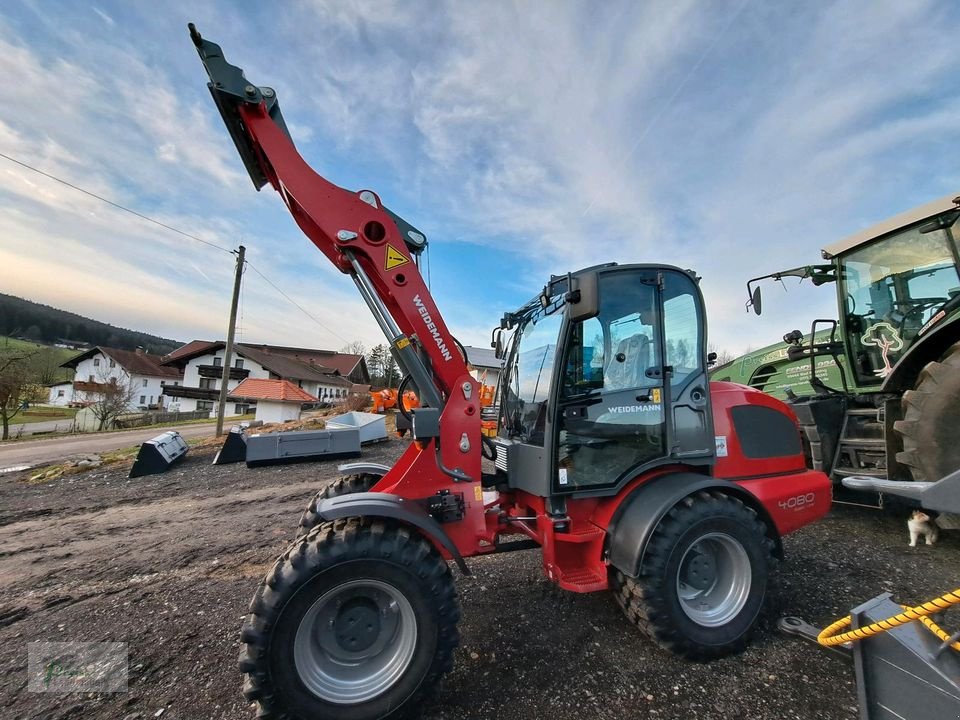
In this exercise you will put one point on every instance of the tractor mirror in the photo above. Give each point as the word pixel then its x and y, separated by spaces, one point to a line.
pixel 756 301
pixel 497 343
pixel 585 301
pixel 947 220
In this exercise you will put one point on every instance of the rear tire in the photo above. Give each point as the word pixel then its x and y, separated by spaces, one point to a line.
pixel 302 654
pixel 346 485
pixel 704 578
pixel 931 415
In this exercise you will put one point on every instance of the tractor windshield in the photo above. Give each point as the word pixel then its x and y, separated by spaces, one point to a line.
pixel 530 373
pixel 893 287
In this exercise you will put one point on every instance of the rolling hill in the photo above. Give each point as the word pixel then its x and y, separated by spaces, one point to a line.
pixel 29 321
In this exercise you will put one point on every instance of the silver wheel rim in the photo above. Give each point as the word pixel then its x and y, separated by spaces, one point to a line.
pixel 355 641
pixel 714 580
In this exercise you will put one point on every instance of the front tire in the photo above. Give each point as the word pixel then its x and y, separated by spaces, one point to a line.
pixel 703 581
pixel 356 621
pixel 931 413
pixel 346 485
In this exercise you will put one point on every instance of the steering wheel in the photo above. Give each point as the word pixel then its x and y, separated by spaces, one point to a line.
pixel 852 303
pixel 916 305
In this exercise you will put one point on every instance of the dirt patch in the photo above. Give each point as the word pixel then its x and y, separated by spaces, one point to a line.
pixel 168 563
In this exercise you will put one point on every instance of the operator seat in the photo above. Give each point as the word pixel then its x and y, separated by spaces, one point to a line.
pixel 630 372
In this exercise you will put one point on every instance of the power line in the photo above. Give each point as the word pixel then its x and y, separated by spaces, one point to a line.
pixel 172 229
pixel 294 302
pixel 114 204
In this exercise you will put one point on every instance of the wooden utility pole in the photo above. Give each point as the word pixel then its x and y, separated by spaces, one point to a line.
pixel 228 351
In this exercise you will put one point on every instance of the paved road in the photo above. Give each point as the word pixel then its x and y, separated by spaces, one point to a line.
pixel 48 426
pixel 36 452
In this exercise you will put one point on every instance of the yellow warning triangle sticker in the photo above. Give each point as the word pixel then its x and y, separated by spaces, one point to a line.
pixel 394 258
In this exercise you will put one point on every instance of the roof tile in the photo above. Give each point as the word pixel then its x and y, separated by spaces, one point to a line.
pixel 279 390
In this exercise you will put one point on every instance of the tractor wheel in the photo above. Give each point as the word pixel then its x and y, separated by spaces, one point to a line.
pixel 703 580
pixel 356 621
pixel 931 415
pixel 346 485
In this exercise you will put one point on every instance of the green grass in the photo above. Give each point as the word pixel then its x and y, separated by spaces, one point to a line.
pixel 59 355
pixel 43 414
pixel 9 343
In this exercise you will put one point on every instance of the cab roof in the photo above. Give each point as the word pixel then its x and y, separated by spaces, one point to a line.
pixel 917 214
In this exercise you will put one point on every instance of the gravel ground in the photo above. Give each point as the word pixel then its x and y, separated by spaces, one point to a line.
pixel 168 564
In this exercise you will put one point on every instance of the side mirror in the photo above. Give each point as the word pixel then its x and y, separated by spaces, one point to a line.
pixel 497 343
pixel 756 302
pixel 584 297
pixel 711 359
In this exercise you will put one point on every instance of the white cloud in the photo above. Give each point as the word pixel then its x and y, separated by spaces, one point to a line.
pixel 735 138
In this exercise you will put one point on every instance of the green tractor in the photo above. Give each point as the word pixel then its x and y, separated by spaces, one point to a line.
pixel 877 393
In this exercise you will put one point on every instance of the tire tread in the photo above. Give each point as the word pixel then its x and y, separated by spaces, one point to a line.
pixel 323 547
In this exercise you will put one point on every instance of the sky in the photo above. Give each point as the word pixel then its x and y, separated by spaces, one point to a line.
pixel 524 138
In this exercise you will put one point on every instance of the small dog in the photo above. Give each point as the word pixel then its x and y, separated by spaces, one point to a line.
pixel 922 524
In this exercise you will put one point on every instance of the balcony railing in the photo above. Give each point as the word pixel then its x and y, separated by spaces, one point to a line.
pixel 191 392
pixel 216 371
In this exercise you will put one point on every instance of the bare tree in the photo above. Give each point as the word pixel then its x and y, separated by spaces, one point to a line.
pixel 354 347
pixel 110 397
pixel 16 384
pixel 46 366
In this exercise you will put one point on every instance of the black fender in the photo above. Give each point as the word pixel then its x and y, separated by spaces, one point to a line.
pixel 385 505
pixel 633 523
pixel 358 468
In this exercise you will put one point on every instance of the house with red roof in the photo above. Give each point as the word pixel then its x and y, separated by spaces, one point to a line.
pixel 277 400
pixel 330 377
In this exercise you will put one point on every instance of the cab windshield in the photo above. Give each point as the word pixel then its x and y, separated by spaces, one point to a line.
pixel 531 373
pixel 893 287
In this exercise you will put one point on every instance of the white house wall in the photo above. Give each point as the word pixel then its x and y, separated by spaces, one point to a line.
pixel 61 400
pixel 277 412
pixel 191 377
pixel 97 369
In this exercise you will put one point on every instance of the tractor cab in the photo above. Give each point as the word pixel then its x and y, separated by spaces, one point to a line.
pixel 895 284
pixel 605 378
pixel 894 290
pixel 875 389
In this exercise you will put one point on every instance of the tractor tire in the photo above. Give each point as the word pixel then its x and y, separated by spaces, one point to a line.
pixel 346 485
pixel 703 580
pixel 931 415
pixel 356 621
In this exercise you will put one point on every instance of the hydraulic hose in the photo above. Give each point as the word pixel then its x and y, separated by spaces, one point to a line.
pixel 827 638
pixel 401 388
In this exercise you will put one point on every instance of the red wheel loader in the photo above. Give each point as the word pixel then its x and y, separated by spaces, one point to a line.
pixel 615 456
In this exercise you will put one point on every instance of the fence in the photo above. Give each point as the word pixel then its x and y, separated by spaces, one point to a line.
pixel 157 418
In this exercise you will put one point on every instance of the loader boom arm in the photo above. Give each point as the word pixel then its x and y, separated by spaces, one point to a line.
pixel 365 240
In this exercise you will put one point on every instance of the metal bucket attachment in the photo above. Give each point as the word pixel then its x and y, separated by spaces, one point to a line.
pixel 234 448
pixel 372 427
pixel 904 673
pixel 158 454
pixel 302 446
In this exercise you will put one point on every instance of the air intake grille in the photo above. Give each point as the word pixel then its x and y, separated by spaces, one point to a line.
pixel 502 446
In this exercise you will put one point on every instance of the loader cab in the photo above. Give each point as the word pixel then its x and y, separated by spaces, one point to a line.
pixel 605 378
